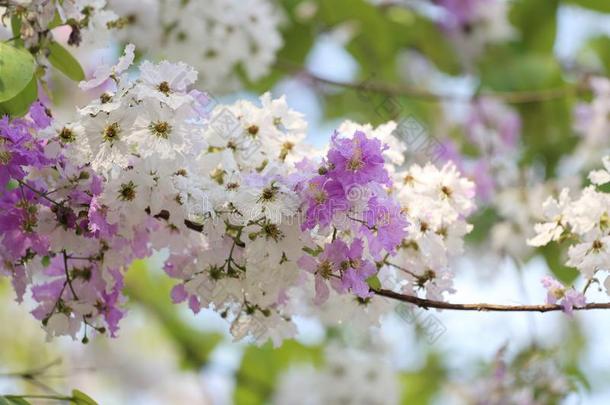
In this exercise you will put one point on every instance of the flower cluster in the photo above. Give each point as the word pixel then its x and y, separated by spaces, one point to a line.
pixel 436 203
pixel 347 201
pixel 253 223
pixel 48 206
pixel 88 20
pixel 584 222
pixel 217 37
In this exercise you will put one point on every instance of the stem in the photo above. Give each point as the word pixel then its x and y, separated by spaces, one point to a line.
pixel 29 374
pixel 427 304
pixel 68 279
pixel 53 397
pixel 397 89
pixel 39 193
pixel 402 269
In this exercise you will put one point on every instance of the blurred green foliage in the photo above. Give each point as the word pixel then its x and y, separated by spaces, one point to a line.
pixel 149 288
pixel 261 366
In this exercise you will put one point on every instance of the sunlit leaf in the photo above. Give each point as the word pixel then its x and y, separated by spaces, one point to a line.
pixel 62 60
pixel 17 68
pixel 20 104
pixel 80 398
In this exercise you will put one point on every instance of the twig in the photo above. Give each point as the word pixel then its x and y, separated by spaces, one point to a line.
pixel 38 193
pixel 29 374
pixel 68 279
pixel 164 214
pixel 426 304
pixel 399 89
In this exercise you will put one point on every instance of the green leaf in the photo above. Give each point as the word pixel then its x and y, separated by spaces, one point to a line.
pixel 12 184
pixel 374 282
pixel 374 43
pixel 17 68
pixel 537 23
pixel 546 125
pixel 597 5
pixel 16 26
pixel 14 400
pixel 483 220
pixel 600 47
pixel 425 36
pixel 80 398
pixel 63 61
pixel 555 259
pixel 421 386
pixel 20 104
pixel 56 22
pixel 260 367
pixel 313 252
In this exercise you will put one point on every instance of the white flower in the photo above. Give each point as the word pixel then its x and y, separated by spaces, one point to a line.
pixel 106 135
pixel 270 199
pixel 435 203
pixel 591 255
pixel 166 82
pixel 104 72
pixel 127 195
pixel 585 213
pixel 60 324
pixel 599 177
pixel 553 212
pixel 165 132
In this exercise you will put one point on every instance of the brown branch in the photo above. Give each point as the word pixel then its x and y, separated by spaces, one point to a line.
pixel 194 226
pixel 404 90
pixel 427 304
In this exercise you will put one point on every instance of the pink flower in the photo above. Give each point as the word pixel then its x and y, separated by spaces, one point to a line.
pixel 568 298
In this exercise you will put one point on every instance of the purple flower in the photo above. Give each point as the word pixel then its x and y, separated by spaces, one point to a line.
pixel 459 13
pixel 357 161
pixel 342 266
pixel 384 225
pixel 194 304
pixel 98 224
pixel 568 298
pixel 326 268
pixel 40 115
pixel 179 293
pixel 111 301
pixel 358 270
pixel 17 225
pixel 324 197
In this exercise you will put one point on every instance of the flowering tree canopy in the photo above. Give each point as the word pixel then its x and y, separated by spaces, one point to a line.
pixel 145 157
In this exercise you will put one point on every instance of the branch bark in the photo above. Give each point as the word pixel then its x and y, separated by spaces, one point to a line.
pixel 483 307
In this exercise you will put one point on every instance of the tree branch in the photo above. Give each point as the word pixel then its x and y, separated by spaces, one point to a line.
pixel 427 304
pixel 164 214
pixel 398 89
